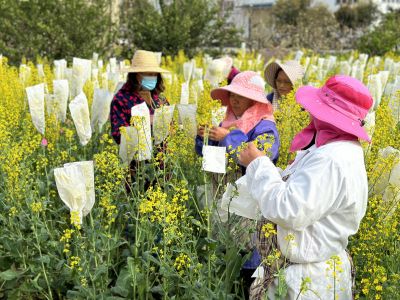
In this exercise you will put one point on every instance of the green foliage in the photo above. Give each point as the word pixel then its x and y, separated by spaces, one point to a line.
pixel 357 16
pixel 179 25
pixel 55 29
pixel 287 12
pixel 299 25
pixel 384 38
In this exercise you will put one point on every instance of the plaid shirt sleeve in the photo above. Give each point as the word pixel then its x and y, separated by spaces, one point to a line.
pixel 119 115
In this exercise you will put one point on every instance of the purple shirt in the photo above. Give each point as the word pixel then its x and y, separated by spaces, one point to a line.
pixel 236 137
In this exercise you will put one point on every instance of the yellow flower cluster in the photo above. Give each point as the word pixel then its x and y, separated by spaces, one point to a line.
pixel 268 229
pixel 65 238
pixel 74 262
pixel 36 207
pixel 182 263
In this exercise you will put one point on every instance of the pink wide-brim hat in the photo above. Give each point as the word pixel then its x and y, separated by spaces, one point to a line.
pixel 247 84
pixel 342 102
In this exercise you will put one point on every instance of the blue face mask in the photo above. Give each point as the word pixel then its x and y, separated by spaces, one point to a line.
pixel 149 82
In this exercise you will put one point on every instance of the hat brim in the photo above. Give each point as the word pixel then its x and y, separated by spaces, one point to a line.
pixel 144 70
pixel 270 73
pixel 308 98
pixel 223 94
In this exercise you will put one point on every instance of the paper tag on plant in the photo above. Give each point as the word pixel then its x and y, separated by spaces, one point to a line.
pixel 214 159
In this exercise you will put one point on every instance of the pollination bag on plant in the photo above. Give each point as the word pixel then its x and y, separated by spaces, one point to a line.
pixel 141 121
pixel 388 63
pixel 207 59
pixel 61 93
pixel 24 74
pixel 87 170
pixel 331 62
pixel 95 58
pixel 68 77
pixel 112 66
pixel 40 71
pixel 129 144
pixel 50 104
pixel 357 71
pixel 59 69
pixel 214 159
pixel 375 87
pixel 388 183
pixel 396 69
pixel 185 93
pixel 345 68
pixel 187 117
pixel 384 76
pixel 36 106
pixel 95 77
pixel 100 108
pixel 237 200
pixel 80 115
pixel 394 99
pixel 299 54
pixel 311 71
pixel 218 115
pixel 188 70
pixel 306 64
pixel 215 72
pixel 197 74
pixel 113 80
pixel 71 188
pixel 376 61
pixel 363 58
pixel 370 123
pixel 81 72
pixel 167 77
pixel 158 55
pixel 161 123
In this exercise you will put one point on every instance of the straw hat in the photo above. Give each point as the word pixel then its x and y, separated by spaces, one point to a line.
pixel 144 61
pixel 292 68
pixel 342 102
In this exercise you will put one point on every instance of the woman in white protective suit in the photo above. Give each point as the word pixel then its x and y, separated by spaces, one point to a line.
pixel 320 199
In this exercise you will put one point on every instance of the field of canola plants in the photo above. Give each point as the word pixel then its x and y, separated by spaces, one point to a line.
pixel 84 237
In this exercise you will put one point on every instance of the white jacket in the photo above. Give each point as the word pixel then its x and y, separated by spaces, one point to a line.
pixel 321 204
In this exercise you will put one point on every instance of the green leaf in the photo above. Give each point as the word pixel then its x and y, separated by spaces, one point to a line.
pixel 10 274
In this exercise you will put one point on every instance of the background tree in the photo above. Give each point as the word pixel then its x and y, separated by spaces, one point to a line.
pixel 384 38
pixel 358 16
pixel 300 25
pixel 54 29
pixel 176 25
pixel 287 12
